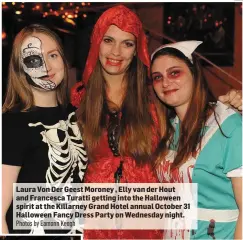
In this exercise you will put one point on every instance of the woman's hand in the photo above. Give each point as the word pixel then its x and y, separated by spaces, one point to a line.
pixel 9 176
pixel 232 98
pixel 237 187
pixel 4 227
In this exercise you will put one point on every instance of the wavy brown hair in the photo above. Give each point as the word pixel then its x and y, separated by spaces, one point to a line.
pixel 200 108
pixel 138 131
pixel 19 93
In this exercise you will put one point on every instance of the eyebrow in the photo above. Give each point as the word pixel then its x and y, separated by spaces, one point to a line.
pixel 155 73
pixel 122 41
pixel 53 50
pixel 171 68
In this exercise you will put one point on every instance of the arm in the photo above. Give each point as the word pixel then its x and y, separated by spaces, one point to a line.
pixel 9 176
pixel 233 98
pixel 237 187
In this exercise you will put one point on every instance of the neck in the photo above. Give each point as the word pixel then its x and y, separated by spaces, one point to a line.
pixel 115 88
pixel 114 81
pixel 181 111
pixel 45 98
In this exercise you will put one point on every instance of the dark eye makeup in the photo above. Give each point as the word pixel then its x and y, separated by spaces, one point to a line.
pixel 33 61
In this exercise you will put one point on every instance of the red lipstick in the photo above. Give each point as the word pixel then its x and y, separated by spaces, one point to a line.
pixel 47 77
pixel 112 63
pixel 170 91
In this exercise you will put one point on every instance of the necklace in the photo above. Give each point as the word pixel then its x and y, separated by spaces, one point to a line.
pixel 113 132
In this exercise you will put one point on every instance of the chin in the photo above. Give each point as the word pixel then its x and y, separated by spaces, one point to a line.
pixel 114 72
pixel 172 103
pixel 114 69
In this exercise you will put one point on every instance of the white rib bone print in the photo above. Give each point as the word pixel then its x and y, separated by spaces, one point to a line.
pixel 64 155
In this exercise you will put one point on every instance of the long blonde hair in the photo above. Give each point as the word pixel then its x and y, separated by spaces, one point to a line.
pixel 19 91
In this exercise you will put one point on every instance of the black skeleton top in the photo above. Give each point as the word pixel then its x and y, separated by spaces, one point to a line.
pixel 46 143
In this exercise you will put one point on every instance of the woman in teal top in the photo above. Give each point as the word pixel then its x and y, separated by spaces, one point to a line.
pixel 205 144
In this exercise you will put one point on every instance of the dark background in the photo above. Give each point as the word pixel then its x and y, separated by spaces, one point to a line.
pixel 212 23
pixel 74 22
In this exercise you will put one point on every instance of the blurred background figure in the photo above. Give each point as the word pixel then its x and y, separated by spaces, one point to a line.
pixel 219 25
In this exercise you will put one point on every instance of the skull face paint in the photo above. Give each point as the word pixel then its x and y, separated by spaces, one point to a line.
pixel 34 64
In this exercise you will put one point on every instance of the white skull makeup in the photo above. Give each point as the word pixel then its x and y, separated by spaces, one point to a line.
pixel 34 64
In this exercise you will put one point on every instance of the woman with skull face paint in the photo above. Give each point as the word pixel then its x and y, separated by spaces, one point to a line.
pixel 41 139
pixel 206 147
pixel 120 125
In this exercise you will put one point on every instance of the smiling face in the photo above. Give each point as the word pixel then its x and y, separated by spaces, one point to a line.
pixel 117 50
pixel 42 62
pixel 172 81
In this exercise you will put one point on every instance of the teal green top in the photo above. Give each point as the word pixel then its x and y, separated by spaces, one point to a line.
pixel 218 156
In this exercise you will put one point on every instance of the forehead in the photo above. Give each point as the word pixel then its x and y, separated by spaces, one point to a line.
pixel 40 41
pixel 117 33
pixel 167 61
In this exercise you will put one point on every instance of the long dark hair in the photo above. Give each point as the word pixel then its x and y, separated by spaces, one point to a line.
pixel 137 129
pixel 200 107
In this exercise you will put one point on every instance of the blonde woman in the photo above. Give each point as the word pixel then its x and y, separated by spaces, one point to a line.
pixel 41 140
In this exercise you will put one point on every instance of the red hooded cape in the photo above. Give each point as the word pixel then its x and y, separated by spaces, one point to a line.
pixel 104 165
pixel 127 21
